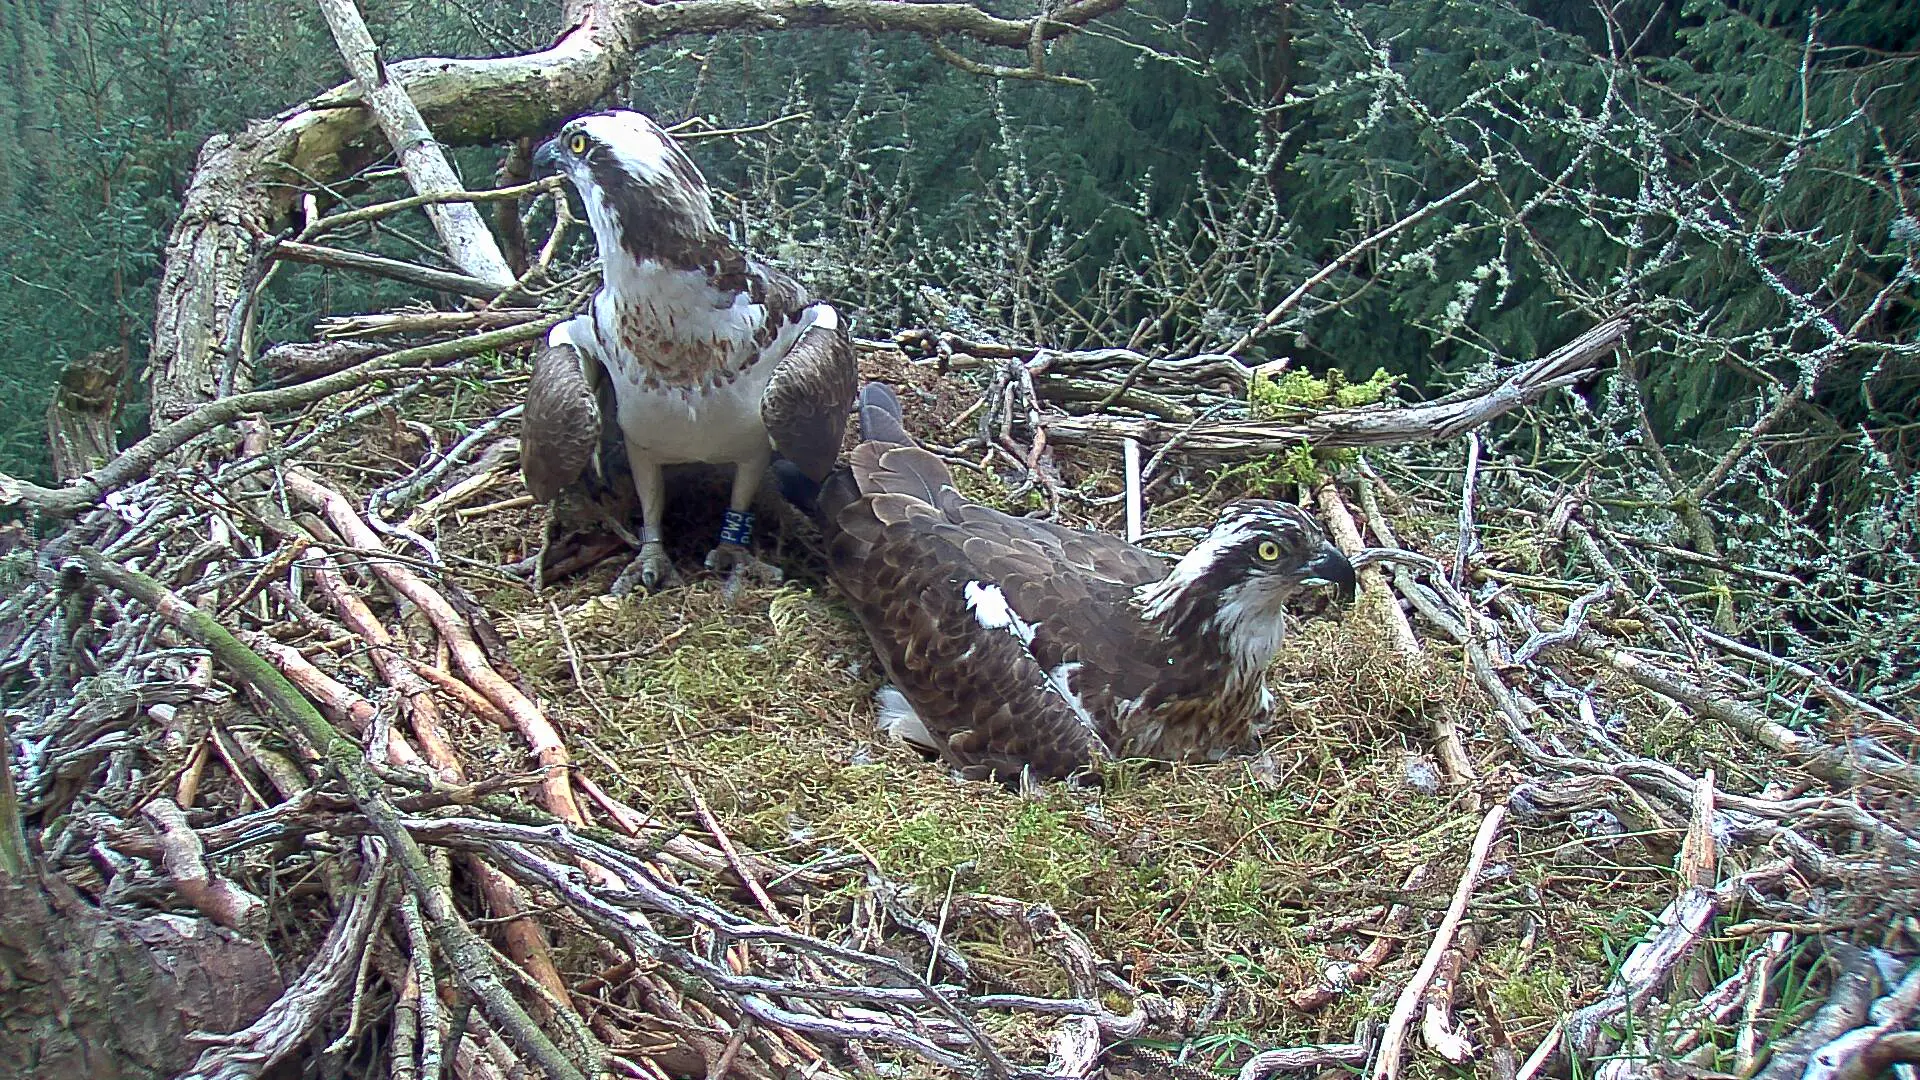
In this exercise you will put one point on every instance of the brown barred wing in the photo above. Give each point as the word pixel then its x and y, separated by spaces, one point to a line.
pixel 561 427
pixel 952 644
pixel 807 401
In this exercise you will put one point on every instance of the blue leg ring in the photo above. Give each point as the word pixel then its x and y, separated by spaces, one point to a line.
pixel 738 528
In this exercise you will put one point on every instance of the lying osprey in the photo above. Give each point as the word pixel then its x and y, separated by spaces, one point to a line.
pixel 692 351
pixel 1017 645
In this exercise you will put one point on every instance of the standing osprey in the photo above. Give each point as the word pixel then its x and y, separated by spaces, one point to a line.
pixel 1017 645
pixel 692 351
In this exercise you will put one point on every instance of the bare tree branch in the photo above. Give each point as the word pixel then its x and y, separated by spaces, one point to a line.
pixel 462 231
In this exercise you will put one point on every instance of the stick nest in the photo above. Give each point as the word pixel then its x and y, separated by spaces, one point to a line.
pixel 670 820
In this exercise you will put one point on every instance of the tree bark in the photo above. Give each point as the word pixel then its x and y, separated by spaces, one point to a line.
pixel 248 185
pixel 84 413
pixel 108 998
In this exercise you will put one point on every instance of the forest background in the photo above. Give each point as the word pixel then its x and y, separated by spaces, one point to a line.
pixel 1264 135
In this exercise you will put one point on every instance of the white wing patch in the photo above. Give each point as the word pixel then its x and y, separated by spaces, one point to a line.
pixel 895 716
pixel 1060 678
pixel 577 332
pixel 821 314
pixel 991 609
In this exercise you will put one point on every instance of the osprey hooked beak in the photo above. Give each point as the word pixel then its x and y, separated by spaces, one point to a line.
pixel 1330 567
pixel 546 159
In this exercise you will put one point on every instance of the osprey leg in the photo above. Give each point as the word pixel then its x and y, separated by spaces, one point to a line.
pixel 650 569
pixel 736 533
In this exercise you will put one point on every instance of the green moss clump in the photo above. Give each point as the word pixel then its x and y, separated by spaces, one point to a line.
pixel 1293 393
pixel 1297 391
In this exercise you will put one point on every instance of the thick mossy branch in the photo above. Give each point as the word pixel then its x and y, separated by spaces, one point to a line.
pixel 470 957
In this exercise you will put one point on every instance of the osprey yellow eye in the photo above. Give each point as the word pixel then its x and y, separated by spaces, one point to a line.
pixel 578 143
pixel 1269 551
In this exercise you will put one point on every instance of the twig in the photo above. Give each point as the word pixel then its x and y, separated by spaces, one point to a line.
pixel 412 273
pixel 724 1063
pixel 1436 1014
pixel 1302 1059
pixel 1468 542
pixel 420 948
pixel 1393 1039
pixel 1678 929
pixel 1825 687
pixel 1347 258
pixel 1746 1045
pixel 712 823
pixel 1136 511
pixel 1334 983
pixel 13 837
pixel 1447 742
pixel 359 214
pixel 542 740
pixel 1850 997
pixel 294 1015
pixel 1570 628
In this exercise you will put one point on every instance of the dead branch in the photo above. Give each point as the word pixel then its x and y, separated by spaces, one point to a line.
pixel 1436 1014
pixel 84 412
pixel 1698 854
pixel 214 896
pixel 462 232
pixel 1677 930
pixel 380 324
pixel 1850 996
pixel 1447 742
pixel 412 273
pixel 137 460
pixel 1371 426
pixel 356 712
pixel 1393 1038
pixel 1302 1059
pixel 1839 765
pixel 295 1014
pixel 1867 1051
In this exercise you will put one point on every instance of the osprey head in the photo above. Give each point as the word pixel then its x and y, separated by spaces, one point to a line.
pixel 642 193
pixel 1259 549
pixel 1236 582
